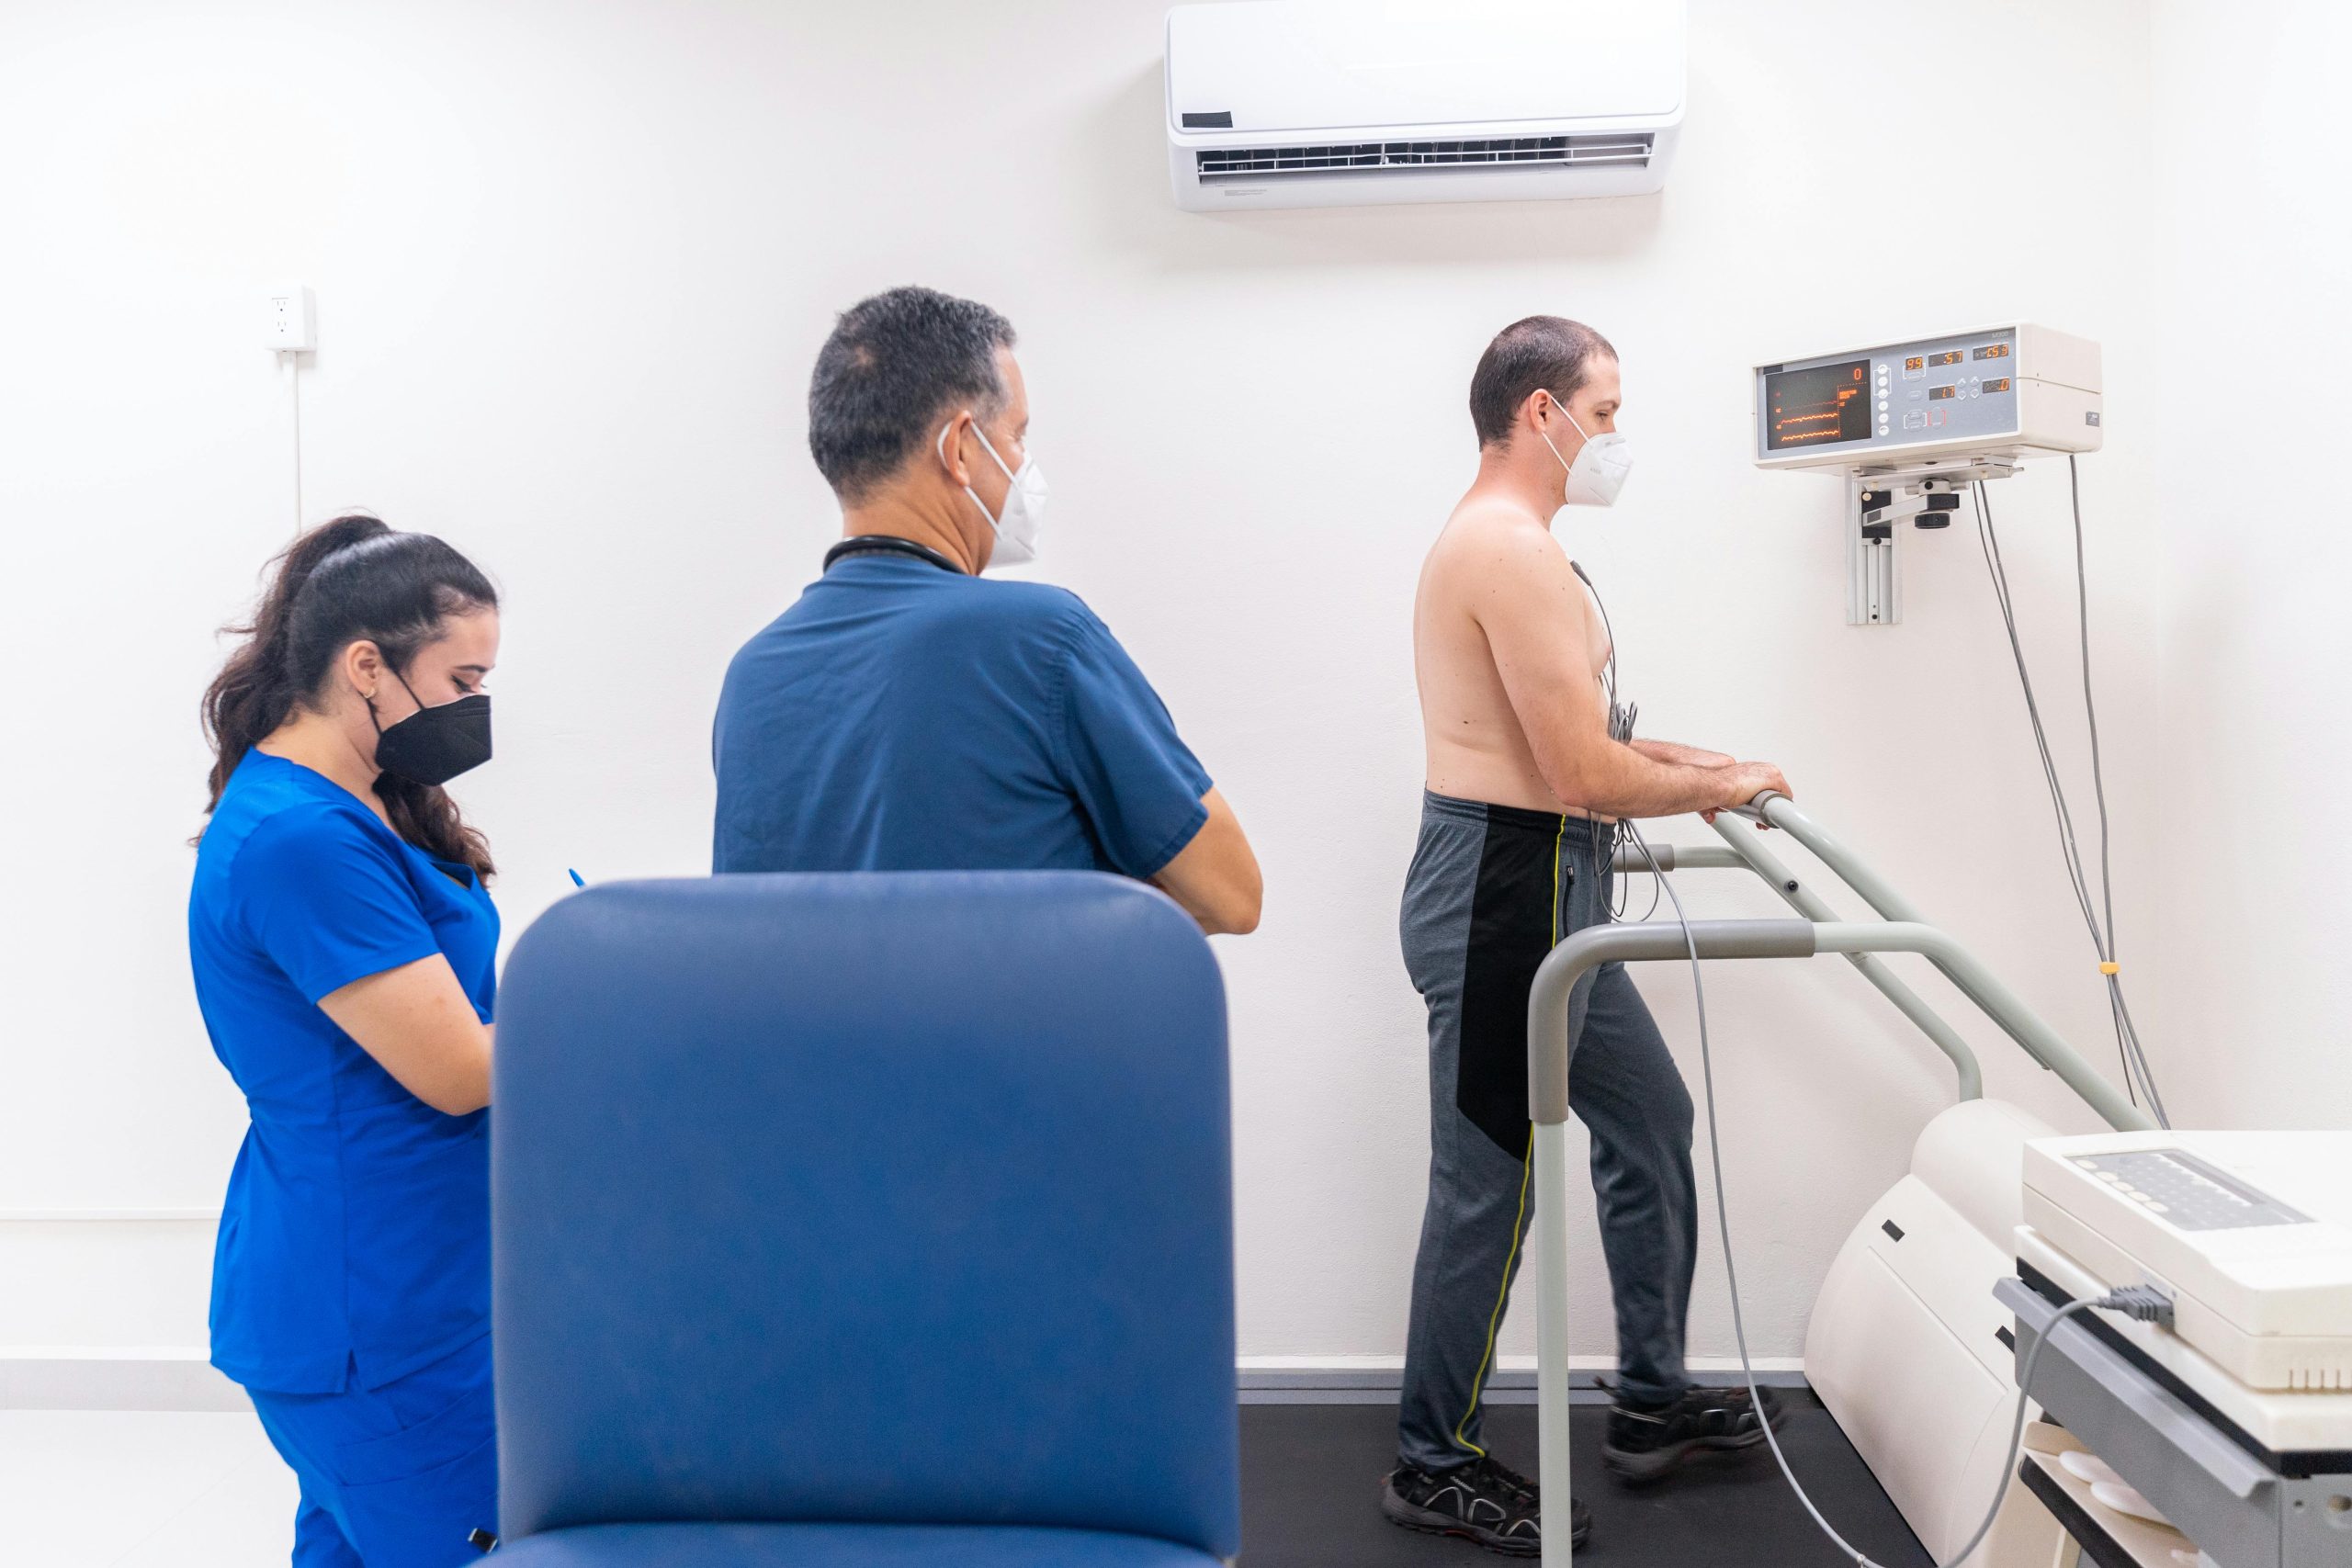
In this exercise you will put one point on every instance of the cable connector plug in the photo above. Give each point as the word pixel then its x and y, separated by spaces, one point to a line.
pixel 2141 1304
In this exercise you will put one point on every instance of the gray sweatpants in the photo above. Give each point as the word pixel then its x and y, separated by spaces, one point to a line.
pixel 1492 888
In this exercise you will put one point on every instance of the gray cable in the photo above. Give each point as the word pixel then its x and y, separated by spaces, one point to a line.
pixel 294 358
pixel 2136 1074
pixel 1989 540
pixel 2090 703
pixel 1740 1327
pixel 2125 1029
pixel 1619 717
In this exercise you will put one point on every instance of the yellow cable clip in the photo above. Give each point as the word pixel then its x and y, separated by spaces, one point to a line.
pixel 2110 968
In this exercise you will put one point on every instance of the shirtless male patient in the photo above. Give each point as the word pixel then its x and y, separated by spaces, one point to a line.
pixel 1525 783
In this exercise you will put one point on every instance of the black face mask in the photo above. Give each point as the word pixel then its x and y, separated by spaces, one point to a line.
pixel 434 745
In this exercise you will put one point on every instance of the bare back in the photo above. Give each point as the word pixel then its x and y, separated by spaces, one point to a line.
pixel 1476 745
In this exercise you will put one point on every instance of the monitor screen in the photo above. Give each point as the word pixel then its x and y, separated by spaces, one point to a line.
pixel 1819 406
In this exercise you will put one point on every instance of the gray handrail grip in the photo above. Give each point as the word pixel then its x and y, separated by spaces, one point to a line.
pixel 1584 950
pixel 1781 812
pixel 2232 1468
pixel 1762 861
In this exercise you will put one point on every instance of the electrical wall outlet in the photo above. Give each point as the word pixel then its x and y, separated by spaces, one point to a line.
pixel 291 325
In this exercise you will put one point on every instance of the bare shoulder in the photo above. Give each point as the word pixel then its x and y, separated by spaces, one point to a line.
pixel 1492 556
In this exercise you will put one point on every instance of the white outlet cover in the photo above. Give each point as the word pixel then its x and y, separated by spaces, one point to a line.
pixel 290 319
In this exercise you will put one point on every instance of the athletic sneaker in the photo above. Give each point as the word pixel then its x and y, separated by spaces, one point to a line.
pixel 1482 1501
pixel 1643 1445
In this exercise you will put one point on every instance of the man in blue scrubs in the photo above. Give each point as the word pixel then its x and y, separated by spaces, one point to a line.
pixel 908 714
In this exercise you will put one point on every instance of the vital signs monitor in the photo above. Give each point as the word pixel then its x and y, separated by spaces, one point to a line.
pixel 1996 394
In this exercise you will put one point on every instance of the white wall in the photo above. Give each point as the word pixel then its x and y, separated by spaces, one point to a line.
pixel 573 266
pixel 2252 228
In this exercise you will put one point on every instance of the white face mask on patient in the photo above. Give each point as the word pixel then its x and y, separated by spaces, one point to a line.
pixel 1024 503
pixel 1601 465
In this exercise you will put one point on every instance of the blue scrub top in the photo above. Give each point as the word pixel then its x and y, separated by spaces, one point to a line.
pixel 354 1239
pixel 900 717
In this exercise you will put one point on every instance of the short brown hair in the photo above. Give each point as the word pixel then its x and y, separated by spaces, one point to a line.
pixel 1542 352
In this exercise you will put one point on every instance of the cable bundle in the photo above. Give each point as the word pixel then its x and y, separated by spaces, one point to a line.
pixel 2136 1076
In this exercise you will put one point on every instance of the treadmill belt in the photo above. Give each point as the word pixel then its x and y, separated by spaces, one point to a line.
pixel 1310 1496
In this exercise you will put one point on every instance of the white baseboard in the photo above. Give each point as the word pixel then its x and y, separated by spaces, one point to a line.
pixel 179 1377
pixel 1376 1379
pixel 129 1378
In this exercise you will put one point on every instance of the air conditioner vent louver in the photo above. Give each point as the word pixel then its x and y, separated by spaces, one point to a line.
pixel 1338 158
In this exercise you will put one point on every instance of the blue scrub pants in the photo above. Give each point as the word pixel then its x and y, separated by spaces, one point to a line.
pixel 393 1477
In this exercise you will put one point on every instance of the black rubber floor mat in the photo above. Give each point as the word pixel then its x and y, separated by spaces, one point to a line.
pixel 1310 1496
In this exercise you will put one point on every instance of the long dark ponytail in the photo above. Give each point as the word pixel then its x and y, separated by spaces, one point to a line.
pixel 353 579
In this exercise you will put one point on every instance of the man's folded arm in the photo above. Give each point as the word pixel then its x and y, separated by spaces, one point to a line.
pixel 1215 877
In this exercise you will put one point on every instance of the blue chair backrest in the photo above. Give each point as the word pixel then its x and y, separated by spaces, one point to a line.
pixel 889 1197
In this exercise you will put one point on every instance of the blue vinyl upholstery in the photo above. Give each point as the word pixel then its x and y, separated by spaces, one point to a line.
pixel 892 1199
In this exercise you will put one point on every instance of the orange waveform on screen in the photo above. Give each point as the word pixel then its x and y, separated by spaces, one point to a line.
pixel 1833 413
pixel 1785 429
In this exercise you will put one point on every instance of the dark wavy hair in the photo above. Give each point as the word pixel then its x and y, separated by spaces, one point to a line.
pixel 352 579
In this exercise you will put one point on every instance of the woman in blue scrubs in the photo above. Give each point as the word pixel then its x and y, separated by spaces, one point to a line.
pixel 343 946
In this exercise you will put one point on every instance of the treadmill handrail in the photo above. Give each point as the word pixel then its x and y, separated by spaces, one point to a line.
pixel 1549 1048
pixel 1738 852
pixel 1783 813
pixel 1929 1023
pixel 2013 1016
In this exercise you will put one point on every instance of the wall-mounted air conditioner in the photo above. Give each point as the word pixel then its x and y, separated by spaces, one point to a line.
pixel 1331 103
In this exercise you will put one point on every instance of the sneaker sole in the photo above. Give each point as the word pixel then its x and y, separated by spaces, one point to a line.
pixel 1427 1521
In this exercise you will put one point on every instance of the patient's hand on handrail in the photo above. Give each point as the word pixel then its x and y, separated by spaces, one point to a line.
pixel 1752 784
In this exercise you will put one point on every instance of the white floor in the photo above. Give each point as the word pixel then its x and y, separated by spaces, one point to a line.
pixel 141 1489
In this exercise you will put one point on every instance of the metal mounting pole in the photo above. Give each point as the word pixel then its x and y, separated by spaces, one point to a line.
pixel 1873 578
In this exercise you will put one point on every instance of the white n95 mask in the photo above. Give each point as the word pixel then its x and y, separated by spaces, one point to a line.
pixel 1024 503
pixel 1601 465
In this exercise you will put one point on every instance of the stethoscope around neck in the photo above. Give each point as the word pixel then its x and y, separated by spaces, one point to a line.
pixel 888 545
